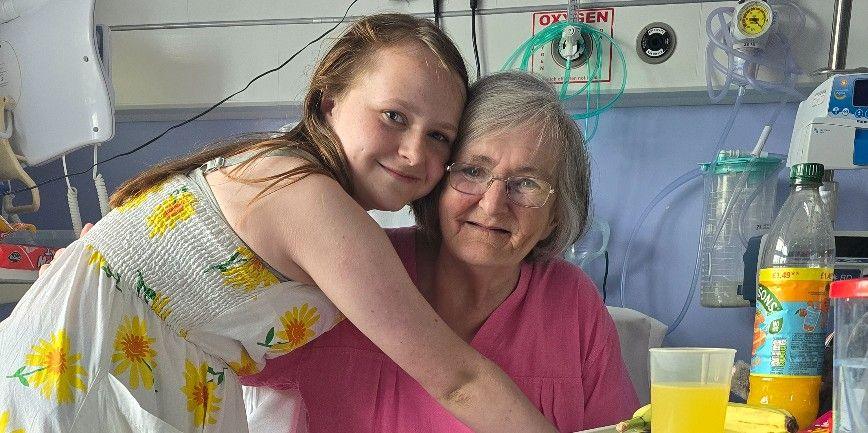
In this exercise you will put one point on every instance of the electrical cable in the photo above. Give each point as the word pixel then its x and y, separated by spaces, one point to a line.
pixel 203 113
pixel 473 6
pixel 605 275
pixel 99 183
pixel 72 200
pixel 102 194
pixel 437 14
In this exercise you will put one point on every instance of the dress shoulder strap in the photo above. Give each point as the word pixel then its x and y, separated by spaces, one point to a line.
pixel 221 161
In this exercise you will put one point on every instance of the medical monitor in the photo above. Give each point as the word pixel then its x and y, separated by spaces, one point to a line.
pixel 860 93
pixel 51 67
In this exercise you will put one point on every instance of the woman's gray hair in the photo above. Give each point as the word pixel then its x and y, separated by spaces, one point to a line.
pixel 508 100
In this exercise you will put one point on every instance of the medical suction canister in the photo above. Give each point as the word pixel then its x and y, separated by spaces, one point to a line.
pixel 748 37
pixel 723 241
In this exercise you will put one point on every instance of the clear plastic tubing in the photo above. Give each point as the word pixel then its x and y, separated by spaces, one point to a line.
pixel 681 180
pixel 713 64
pixel 723 40
pixel 675 184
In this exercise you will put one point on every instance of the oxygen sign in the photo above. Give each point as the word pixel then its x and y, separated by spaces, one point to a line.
pixel 585 16
pixel 546 60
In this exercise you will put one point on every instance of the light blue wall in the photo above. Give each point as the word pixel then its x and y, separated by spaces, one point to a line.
pixel 636 152
pixel 54 212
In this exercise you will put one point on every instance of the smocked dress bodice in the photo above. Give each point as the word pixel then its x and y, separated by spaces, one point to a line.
pixel 151 316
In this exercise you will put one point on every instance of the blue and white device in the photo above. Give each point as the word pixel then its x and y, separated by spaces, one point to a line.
pixel 832 125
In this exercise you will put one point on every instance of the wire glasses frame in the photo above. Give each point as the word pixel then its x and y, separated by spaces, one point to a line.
pixel 524 191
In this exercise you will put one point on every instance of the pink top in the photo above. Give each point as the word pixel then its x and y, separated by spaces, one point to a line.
pixel 553 336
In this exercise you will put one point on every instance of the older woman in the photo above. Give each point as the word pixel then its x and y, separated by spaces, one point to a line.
pixel 484 255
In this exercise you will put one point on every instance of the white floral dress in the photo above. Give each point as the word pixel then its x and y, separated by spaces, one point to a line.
pixel 145 324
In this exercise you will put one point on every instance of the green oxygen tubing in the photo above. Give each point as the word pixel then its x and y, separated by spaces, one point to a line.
pixel 591 89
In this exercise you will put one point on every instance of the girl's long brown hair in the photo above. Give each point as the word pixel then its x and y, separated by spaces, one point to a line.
pixel 342 65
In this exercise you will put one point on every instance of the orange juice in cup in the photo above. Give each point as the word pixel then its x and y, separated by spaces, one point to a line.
pixel 690 389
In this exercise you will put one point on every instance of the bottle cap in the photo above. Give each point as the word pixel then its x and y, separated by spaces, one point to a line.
pixel 855 288
pixel 806 174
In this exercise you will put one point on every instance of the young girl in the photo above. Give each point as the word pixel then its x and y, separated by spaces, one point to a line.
pixel 146 323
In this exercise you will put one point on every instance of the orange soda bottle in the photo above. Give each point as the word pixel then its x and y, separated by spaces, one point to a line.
pixel 796 267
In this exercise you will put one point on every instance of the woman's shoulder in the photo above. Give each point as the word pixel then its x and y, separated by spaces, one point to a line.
pixel 564 291
pixel 560 279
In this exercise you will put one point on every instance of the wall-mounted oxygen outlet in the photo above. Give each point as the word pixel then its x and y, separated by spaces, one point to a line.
pixel 655 43
pixel 578 53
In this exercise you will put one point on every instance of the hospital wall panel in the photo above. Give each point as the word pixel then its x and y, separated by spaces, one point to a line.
pixel 193 66
pixel 293 79
pixel 156 12
pixel 500 34
pixel 155 51
pixel 127 12
pixel 230 10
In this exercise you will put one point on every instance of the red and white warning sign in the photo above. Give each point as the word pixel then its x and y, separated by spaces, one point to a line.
pixel 544 60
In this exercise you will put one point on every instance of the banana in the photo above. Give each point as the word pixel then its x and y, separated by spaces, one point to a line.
pixel 640 422
pixel 740 418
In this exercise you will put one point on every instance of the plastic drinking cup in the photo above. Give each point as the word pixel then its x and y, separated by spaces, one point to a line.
pixel 690 389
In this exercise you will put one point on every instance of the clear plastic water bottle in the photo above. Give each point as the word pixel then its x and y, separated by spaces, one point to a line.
pixel 796 267
pixel 801 235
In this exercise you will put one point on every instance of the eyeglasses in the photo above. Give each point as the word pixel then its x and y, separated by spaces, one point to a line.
pixel 521 190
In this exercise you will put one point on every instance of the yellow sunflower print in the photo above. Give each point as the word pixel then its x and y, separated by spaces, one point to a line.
pixel 245 366
pixel 134 352
pixel 245 271
pixel 138 198
pixel 4 423
pixel 297 330
pixel 57 371
pixel 99 262
pixel 96 259
pixel 159 306
pixel 177 207
pixel 201 401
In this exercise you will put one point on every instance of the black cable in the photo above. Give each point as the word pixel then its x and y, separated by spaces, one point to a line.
pixel 437 13
pixel 320 37
pixel 605 275
pixel 473 5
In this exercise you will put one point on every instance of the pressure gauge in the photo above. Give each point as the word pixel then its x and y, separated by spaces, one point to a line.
pixel 752 19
